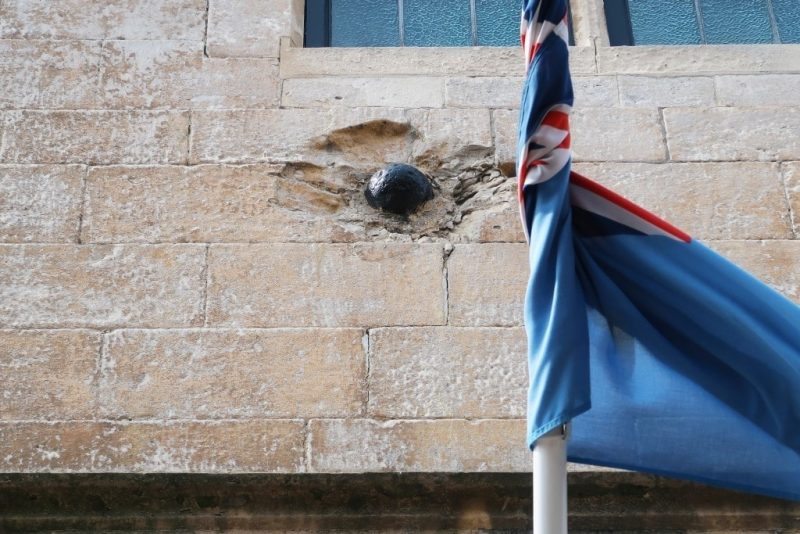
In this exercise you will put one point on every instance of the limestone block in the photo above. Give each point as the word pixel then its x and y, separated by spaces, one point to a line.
pixel 447 372
pixel 589 22
pixel 450 137
pixel 444 445
pixel 775 262
pixel 325 285
pixel 412 61
pixel 237 83
pixel 209 374
pixel 758 134
pixel 40 202
pixel 252 28
pixel 617 135
pixel 486 283
pixel 103 19
pixel 659 92
pixel 505 123
pixel 47 374
pixel 761 90
pixel 407 92
pixel 501 223
pixel 101 286
pixel 214 203
pixel 694 60
pixel 267 446
pixel 48 74
pixel 595 91
pixel 791 175
pixel 707 200
pixel 94 137
pixel 351 136
pixel 484 92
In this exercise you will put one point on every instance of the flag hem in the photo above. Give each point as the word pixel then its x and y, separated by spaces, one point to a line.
pixel 560 420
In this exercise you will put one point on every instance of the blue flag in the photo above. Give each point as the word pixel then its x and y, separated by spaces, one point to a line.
pixel 666 357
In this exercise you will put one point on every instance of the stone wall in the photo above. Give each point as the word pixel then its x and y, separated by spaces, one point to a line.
pixel 191 280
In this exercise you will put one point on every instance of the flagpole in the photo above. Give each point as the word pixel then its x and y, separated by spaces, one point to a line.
pixel 550 483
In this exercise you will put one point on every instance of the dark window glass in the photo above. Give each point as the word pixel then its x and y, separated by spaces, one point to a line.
pixel 736 21
pixel 439 23
pixel 787 18
pixel 498 22
pixel 364 23
pixel 664 22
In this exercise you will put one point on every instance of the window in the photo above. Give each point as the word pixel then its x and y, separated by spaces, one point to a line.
pixel 412 23
pixel 672 22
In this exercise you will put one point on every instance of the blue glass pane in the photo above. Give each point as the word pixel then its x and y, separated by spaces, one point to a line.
pixel 664 22
pixel 740 21
pixel 437 23
pixel 498 22
pixel 364 23
pixel 787 13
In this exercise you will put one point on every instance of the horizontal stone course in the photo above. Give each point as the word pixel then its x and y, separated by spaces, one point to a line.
pixel 208 374
pixel 274 446
pixel 252 28
pixel 407 92
pixel 791 176
pixel 294 285
pixel 738 200
pixel 48 374
pixel 443 445
pixel 94 137
pixel 447 372
pixel 755 134
pixel 758 90
pixel 666 91
pixel 101 286
pixel 103 19
pixel 775 262
pixel 40 203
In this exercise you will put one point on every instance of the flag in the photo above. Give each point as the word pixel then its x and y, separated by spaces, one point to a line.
pixel 666 357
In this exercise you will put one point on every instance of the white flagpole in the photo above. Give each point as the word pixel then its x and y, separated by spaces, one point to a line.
pixel 550 483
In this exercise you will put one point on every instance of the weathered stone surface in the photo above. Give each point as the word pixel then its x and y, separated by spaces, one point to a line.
pixel 237 83
pixel 775 262
pixel 407 92
pixel 325 285
pixel 101 286
pixel 252 28
pixel 447 372
pixel 444 445
pixel 450 138
pixel 209 374
pixel 693 60
pixel 348 136
pixel 94 137
pixel 40 202
pixel 662 91
pixel 48 74
pixel 589 22
pixel 299 62
pixel 759 90
pixel 486 282
pixel 47 374
pixel 501 223
pixel 271 446
pixel 760 134
pixel 103 19
pixel 707 200
pixel 483 92
pixel 791 176
pixel 214 203
pixel 595 91
pixel 504 124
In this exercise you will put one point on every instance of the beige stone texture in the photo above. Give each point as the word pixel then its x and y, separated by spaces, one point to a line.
pixel 443 445
pixel 252 28
pixel 411 61
pixel 505 92
pixel 759 90
pixel 708 200
pixel 40 203
pixel 410 92
pixel 589 22
pixel 694 60
pixel 325 285
pixel 595 91
pixel 94 137
pixel 757 134
pixel 502 224
pixel 271 446
pixel 237 83
pixel 663 91
pixel 103 19
pixel 48 74
pixel 447 372
pixel 47 374
pixel 101 286
pixel 791 176
pixel 486 283
pixel 450 138
pixel 775 262
pixel 212 374
pixel 213 203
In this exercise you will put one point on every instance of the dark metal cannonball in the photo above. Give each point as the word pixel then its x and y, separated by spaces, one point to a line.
pixel 398 188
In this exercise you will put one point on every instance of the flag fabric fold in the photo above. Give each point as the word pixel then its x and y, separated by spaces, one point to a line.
pixel 666 357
